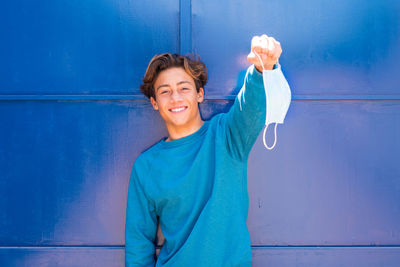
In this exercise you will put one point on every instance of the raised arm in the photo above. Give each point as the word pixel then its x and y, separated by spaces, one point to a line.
pixel 246 118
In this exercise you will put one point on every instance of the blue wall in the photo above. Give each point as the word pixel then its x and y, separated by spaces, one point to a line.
pixel 73 121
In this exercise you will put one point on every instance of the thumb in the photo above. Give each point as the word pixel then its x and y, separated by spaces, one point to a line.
pixel 252 58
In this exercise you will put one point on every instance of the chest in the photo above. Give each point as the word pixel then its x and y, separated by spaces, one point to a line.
pixel 183 177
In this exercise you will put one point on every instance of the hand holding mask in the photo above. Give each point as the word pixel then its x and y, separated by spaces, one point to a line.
pixel 265 52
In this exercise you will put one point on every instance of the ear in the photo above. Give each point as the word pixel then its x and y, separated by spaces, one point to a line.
pixel 200 95
pixel 154 103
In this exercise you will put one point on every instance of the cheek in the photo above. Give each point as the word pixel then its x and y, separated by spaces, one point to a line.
pixel 162 106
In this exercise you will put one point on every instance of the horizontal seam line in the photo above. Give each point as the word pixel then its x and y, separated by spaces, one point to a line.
pixel 207 98
pixel 328 246
pixel 253 246
pixel 60 246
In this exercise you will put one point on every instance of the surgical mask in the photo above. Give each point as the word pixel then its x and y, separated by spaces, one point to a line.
pixel 278 97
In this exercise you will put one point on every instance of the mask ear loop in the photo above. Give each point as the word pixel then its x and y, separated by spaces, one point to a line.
pixel 266 127
pixel 262 64
pixel 265 143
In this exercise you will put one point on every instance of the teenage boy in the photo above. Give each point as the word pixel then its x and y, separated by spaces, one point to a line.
pixel 195 180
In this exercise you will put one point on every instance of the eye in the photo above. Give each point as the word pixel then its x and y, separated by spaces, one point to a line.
pixel 163 92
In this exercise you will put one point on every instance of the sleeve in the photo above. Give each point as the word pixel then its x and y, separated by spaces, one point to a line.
pixel 246 118
pixel 140 226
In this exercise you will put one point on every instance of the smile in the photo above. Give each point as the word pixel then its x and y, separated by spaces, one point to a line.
pixel 178 109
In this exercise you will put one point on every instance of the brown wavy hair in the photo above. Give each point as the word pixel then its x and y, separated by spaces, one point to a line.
pixel 191 64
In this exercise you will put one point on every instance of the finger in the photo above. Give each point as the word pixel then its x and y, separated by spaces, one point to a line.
pixel 275 41
pixel 277 51
pixel 264 45
pixel 253 59
pixel 255 43
pixel 277 45
pixel 264 36
pixel 271 44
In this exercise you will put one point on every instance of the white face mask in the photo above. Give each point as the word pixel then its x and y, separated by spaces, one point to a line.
pixel 278 97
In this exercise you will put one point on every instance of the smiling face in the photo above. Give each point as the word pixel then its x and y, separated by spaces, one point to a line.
pixel 177 100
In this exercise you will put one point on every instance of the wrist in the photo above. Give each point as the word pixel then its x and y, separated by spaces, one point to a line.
pixel 258 68
pixel 269 67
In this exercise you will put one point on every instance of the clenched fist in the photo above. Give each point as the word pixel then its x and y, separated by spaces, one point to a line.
pixel 267 48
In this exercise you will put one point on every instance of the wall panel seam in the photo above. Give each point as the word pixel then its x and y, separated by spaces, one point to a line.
pixel 185 26
pixel 141 97
pixel 253 246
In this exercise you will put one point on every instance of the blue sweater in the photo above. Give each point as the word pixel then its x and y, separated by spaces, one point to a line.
pixel 197 185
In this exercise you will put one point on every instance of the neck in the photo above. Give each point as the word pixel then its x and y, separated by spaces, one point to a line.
pixel 179 132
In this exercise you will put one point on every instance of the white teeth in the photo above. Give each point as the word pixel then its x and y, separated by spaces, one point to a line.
pixel 177 109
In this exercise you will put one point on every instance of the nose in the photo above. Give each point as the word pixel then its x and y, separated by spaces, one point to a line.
pixel 175 95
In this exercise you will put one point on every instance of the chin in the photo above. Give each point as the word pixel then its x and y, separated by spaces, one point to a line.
pixel 179 123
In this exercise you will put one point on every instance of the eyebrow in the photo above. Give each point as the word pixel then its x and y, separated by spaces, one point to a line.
pixel 167 85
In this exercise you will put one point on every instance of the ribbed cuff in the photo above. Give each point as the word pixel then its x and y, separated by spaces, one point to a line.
pixel 256 77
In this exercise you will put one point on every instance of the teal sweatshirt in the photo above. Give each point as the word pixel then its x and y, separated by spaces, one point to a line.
pixel 197 185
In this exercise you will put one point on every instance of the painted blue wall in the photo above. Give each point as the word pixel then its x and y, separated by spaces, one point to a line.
pixel 73 121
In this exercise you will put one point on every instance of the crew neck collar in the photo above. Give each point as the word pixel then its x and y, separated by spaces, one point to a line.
pixel 186 139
